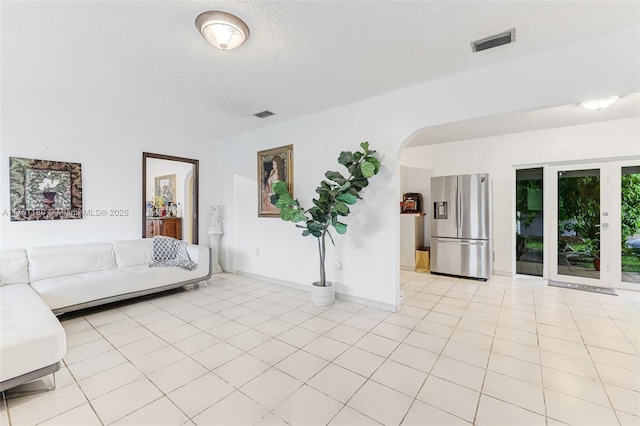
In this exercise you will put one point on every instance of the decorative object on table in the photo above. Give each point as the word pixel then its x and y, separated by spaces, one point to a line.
pixel 173 209
pixel 412 202
pixel 274 165
pixel 166 188
pixel 215 232
pixel 44 190
pixel 336 193
pixel 157 204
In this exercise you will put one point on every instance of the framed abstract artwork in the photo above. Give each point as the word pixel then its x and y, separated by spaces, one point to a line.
pixel 44 190
pixel 274 165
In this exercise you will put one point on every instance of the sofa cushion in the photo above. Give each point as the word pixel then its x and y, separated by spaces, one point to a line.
pixel 32 337
pixel 14 267
pixel 57 261
pixel 133 252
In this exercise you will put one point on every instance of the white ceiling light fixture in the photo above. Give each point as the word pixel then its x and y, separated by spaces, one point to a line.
pixel 222 29
pixel 598 104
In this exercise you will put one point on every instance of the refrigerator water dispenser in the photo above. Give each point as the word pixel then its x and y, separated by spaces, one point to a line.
pixel 440 210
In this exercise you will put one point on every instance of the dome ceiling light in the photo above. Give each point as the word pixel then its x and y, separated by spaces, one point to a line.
pixel 222 29
pixel 598 104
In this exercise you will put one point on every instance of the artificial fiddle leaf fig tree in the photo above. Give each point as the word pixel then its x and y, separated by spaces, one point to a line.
pixel 335 194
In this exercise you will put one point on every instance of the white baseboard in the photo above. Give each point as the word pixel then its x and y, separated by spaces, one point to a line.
pixel 503 273
pixel 291 284
pixel 307 288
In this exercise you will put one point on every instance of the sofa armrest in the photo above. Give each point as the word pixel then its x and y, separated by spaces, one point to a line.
pixel 201 255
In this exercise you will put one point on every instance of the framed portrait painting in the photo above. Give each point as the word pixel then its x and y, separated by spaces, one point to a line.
pixel 44 190
pixel 166 188
pixel 274 165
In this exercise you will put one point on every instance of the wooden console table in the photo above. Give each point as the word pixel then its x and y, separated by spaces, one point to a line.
pixel 167 226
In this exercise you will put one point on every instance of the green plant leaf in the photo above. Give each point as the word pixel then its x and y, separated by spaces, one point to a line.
pixel 365 147
pixel 359 183
pixel 347 198
pixel 314 226
pixel 288 214
pixel 345 187
pixel 375 162
pixel 292 215
pixel 342 208
pixel 346 158
pixel 280 188
pixel 283 200
pixel 336 177
pixel 341 228
pixel 367 169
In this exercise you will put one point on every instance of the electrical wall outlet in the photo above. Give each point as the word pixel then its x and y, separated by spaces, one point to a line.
pixel 257 251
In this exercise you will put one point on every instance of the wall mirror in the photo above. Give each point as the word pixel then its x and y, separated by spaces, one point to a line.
pixel 169 197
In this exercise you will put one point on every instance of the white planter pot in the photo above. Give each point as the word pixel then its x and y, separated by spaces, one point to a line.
pixel 323 296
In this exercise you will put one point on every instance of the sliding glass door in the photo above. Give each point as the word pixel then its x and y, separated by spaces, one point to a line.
pixel 630 226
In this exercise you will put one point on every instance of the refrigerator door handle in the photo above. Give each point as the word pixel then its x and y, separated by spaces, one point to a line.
pixel 463 243
pixel 457 210
pixel 459 203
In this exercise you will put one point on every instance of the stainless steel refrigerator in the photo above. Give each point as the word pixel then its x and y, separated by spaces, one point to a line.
pixel 461 225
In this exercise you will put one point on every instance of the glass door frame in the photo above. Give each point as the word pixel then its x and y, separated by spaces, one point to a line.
pixel 610 214
pixel 616 190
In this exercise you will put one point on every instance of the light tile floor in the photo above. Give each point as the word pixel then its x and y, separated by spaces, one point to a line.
pixel 511 351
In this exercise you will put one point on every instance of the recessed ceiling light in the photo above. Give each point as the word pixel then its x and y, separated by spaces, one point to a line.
pixel 222 29
pixel 598 104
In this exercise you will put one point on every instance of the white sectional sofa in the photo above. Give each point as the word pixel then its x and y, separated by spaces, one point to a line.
pixel 41 281
pixel 32 341
pixel 78 276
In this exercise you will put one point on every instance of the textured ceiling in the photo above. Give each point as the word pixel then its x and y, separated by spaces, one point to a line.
pixel 146 61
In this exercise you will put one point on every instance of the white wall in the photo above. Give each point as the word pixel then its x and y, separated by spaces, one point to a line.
pixel 110 151
pixel 500 155
pixel 369 250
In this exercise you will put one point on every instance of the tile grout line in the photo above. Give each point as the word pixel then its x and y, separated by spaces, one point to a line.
pixel 615 412
pixel 486 370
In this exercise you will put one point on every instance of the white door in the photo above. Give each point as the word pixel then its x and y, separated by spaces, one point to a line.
pixel 584 226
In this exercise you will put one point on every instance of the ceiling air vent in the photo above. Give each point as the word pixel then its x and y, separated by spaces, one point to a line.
pixel 264 114
pixel 494 41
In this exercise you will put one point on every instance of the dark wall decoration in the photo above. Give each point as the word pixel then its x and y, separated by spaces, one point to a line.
pixel 44 190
